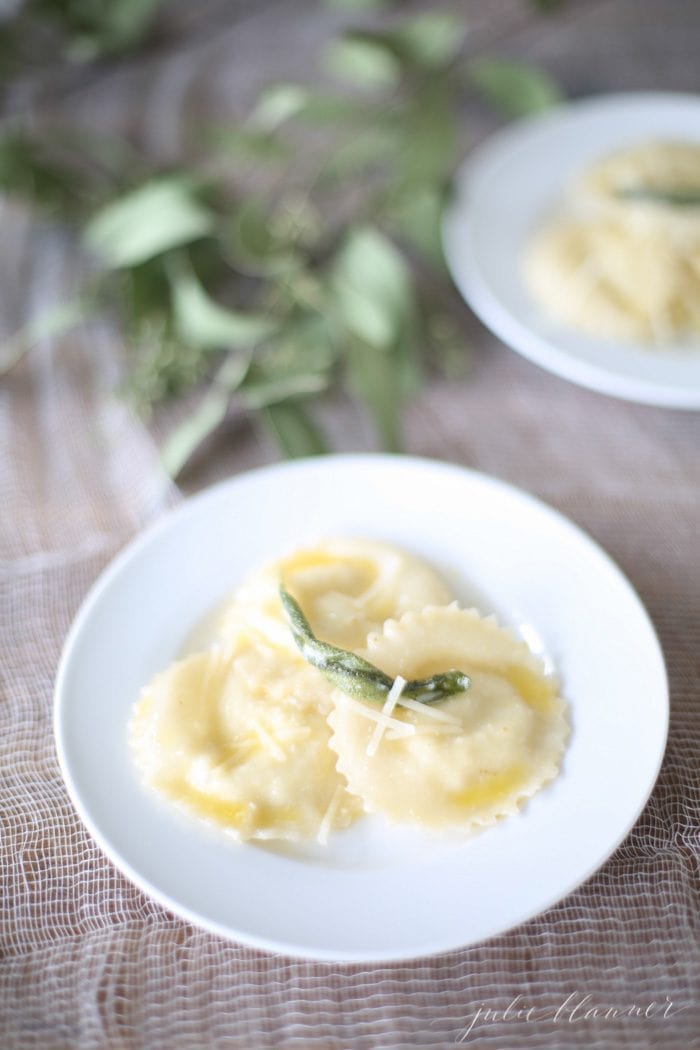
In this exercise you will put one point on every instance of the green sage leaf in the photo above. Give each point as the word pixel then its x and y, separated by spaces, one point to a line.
pixel 371 286
pixel 322 108
pixel 365 63
pixel 416 215
pixel 293 430
pixel 207 416
pixel 374 378
pixel 357 677
pixel 674 198
pixel 190 434
pixel 431 135
pixel 281 103
pixel 201 321
pixel 515 88
pixel 261 393
pixel 278 104
pixel 428 40
pixel 162 214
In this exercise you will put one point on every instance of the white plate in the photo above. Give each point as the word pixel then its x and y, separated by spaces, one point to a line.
pixel 508 186
pixel 374 893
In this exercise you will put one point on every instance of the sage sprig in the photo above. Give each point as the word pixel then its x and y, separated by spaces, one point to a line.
pixel 357 677
pixel 292 254
pixel 676 198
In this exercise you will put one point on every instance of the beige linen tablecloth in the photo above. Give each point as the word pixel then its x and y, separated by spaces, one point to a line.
pixel 87 960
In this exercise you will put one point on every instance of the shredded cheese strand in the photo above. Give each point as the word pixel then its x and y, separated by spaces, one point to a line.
pixel 269 742
pixel 324 828
pixel 387 710
pixel 426 709
pixel 402 728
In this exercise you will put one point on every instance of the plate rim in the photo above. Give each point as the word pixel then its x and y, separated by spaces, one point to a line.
pixel 191 505
pixel 476 290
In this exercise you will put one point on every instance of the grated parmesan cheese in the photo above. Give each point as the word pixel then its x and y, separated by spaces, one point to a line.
pixel 387 710
pixel 426 709
pixel 403 728
pixel 269 742
pixel 326 825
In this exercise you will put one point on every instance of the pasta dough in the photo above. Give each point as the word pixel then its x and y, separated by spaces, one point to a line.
pixel 347 588
pixel 480 753
pixel 622 260
pixel 240 739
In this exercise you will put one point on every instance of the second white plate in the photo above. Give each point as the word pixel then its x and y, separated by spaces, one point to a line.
pixel 507 187
pixel 375 892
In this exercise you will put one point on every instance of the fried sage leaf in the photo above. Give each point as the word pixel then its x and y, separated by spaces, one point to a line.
pixel 358 677
pixel 679 198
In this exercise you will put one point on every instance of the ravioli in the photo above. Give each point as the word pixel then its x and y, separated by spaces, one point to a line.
pixel 657 165
pixel 474 757
pixel 240 739
pixel 249 736
pixel 621 260
pixel 347 588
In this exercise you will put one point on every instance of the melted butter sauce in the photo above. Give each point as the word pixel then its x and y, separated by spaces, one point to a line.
pixel 491 789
